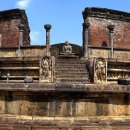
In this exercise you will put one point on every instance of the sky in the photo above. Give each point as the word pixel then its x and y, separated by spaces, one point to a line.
pixel 65 16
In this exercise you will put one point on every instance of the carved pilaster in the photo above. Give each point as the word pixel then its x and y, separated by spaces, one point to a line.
pixel 100 70
pixel 85 39
pixel 47 28
pixel 111 29
pixel 46 69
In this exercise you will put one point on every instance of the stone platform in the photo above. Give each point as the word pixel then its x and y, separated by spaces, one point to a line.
pixel 54 106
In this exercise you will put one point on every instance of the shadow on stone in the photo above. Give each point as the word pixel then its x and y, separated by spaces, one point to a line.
pixel 123 81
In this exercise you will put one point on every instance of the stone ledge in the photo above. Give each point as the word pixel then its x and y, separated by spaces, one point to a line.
pixel 65 87
pixel 106 13
pixel 66 121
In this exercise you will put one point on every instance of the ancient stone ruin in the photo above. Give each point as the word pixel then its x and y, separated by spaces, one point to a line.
pixel 65 86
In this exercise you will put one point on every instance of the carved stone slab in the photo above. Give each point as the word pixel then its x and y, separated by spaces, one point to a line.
pixel 46 69
pixel 100 70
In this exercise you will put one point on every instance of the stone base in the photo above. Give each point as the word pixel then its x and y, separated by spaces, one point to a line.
pixel 52 106
pixel 9 122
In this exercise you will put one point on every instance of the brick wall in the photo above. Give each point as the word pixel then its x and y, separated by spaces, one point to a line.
pixel 9 22
pixel 99 33
pixel 99 19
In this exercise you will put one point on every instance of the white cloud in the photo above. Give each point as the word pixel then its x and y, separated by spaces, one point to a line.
pixel 22 4
pixel 34 36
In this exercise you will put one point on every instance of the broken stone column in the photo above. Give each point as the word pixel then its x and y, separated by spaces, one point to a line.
pixel 111 29
pixel 47 27
pixel 85 39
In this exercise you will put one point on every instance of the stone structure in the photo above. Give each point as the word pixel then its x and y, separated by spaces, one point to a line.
pixel 66 86
pixel 111 28
pixel 47 27
pixel 103 24
pixel 9 32
pixel 85 39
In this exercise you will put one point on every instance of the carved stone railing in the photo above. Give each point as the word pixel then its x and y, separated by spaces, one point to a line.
pixel 27 69
pixel 17 70
pixel 118 69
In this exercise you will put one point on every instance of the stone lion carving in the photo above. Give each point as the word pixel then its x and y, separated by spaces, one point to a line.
pixel 100 70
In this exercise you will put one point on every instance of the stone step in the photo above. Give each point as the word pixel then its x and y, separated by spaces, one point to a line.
pixel 71 73
pixel 75 61
pixel 66 59
pixel 70 66
pixel 71 62
pixel 71 69
pixel 74 76
pixel 79 80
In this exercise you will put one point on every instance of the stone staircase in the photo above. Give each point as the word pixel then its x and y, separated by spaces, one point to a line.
pixel 71 70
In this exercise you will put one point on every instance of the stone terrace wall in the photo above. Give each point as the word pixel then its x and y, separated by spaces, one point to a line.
pixel 31 51
pixel 64 106
pixel 119 54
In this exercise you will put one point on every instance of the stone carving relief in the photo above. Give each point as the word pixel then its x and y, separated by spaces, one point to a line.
pixel 46 69
pixel 100 70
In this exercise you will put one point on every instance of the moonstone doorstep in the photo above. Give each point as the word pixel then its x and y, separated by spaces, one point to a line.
pixel 123 81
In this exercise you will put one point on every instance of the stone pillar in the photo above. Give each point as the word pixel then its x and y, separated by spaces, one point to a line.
pixel 48 27
pixel 111 29
pixel 21 28
pixel 85 40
